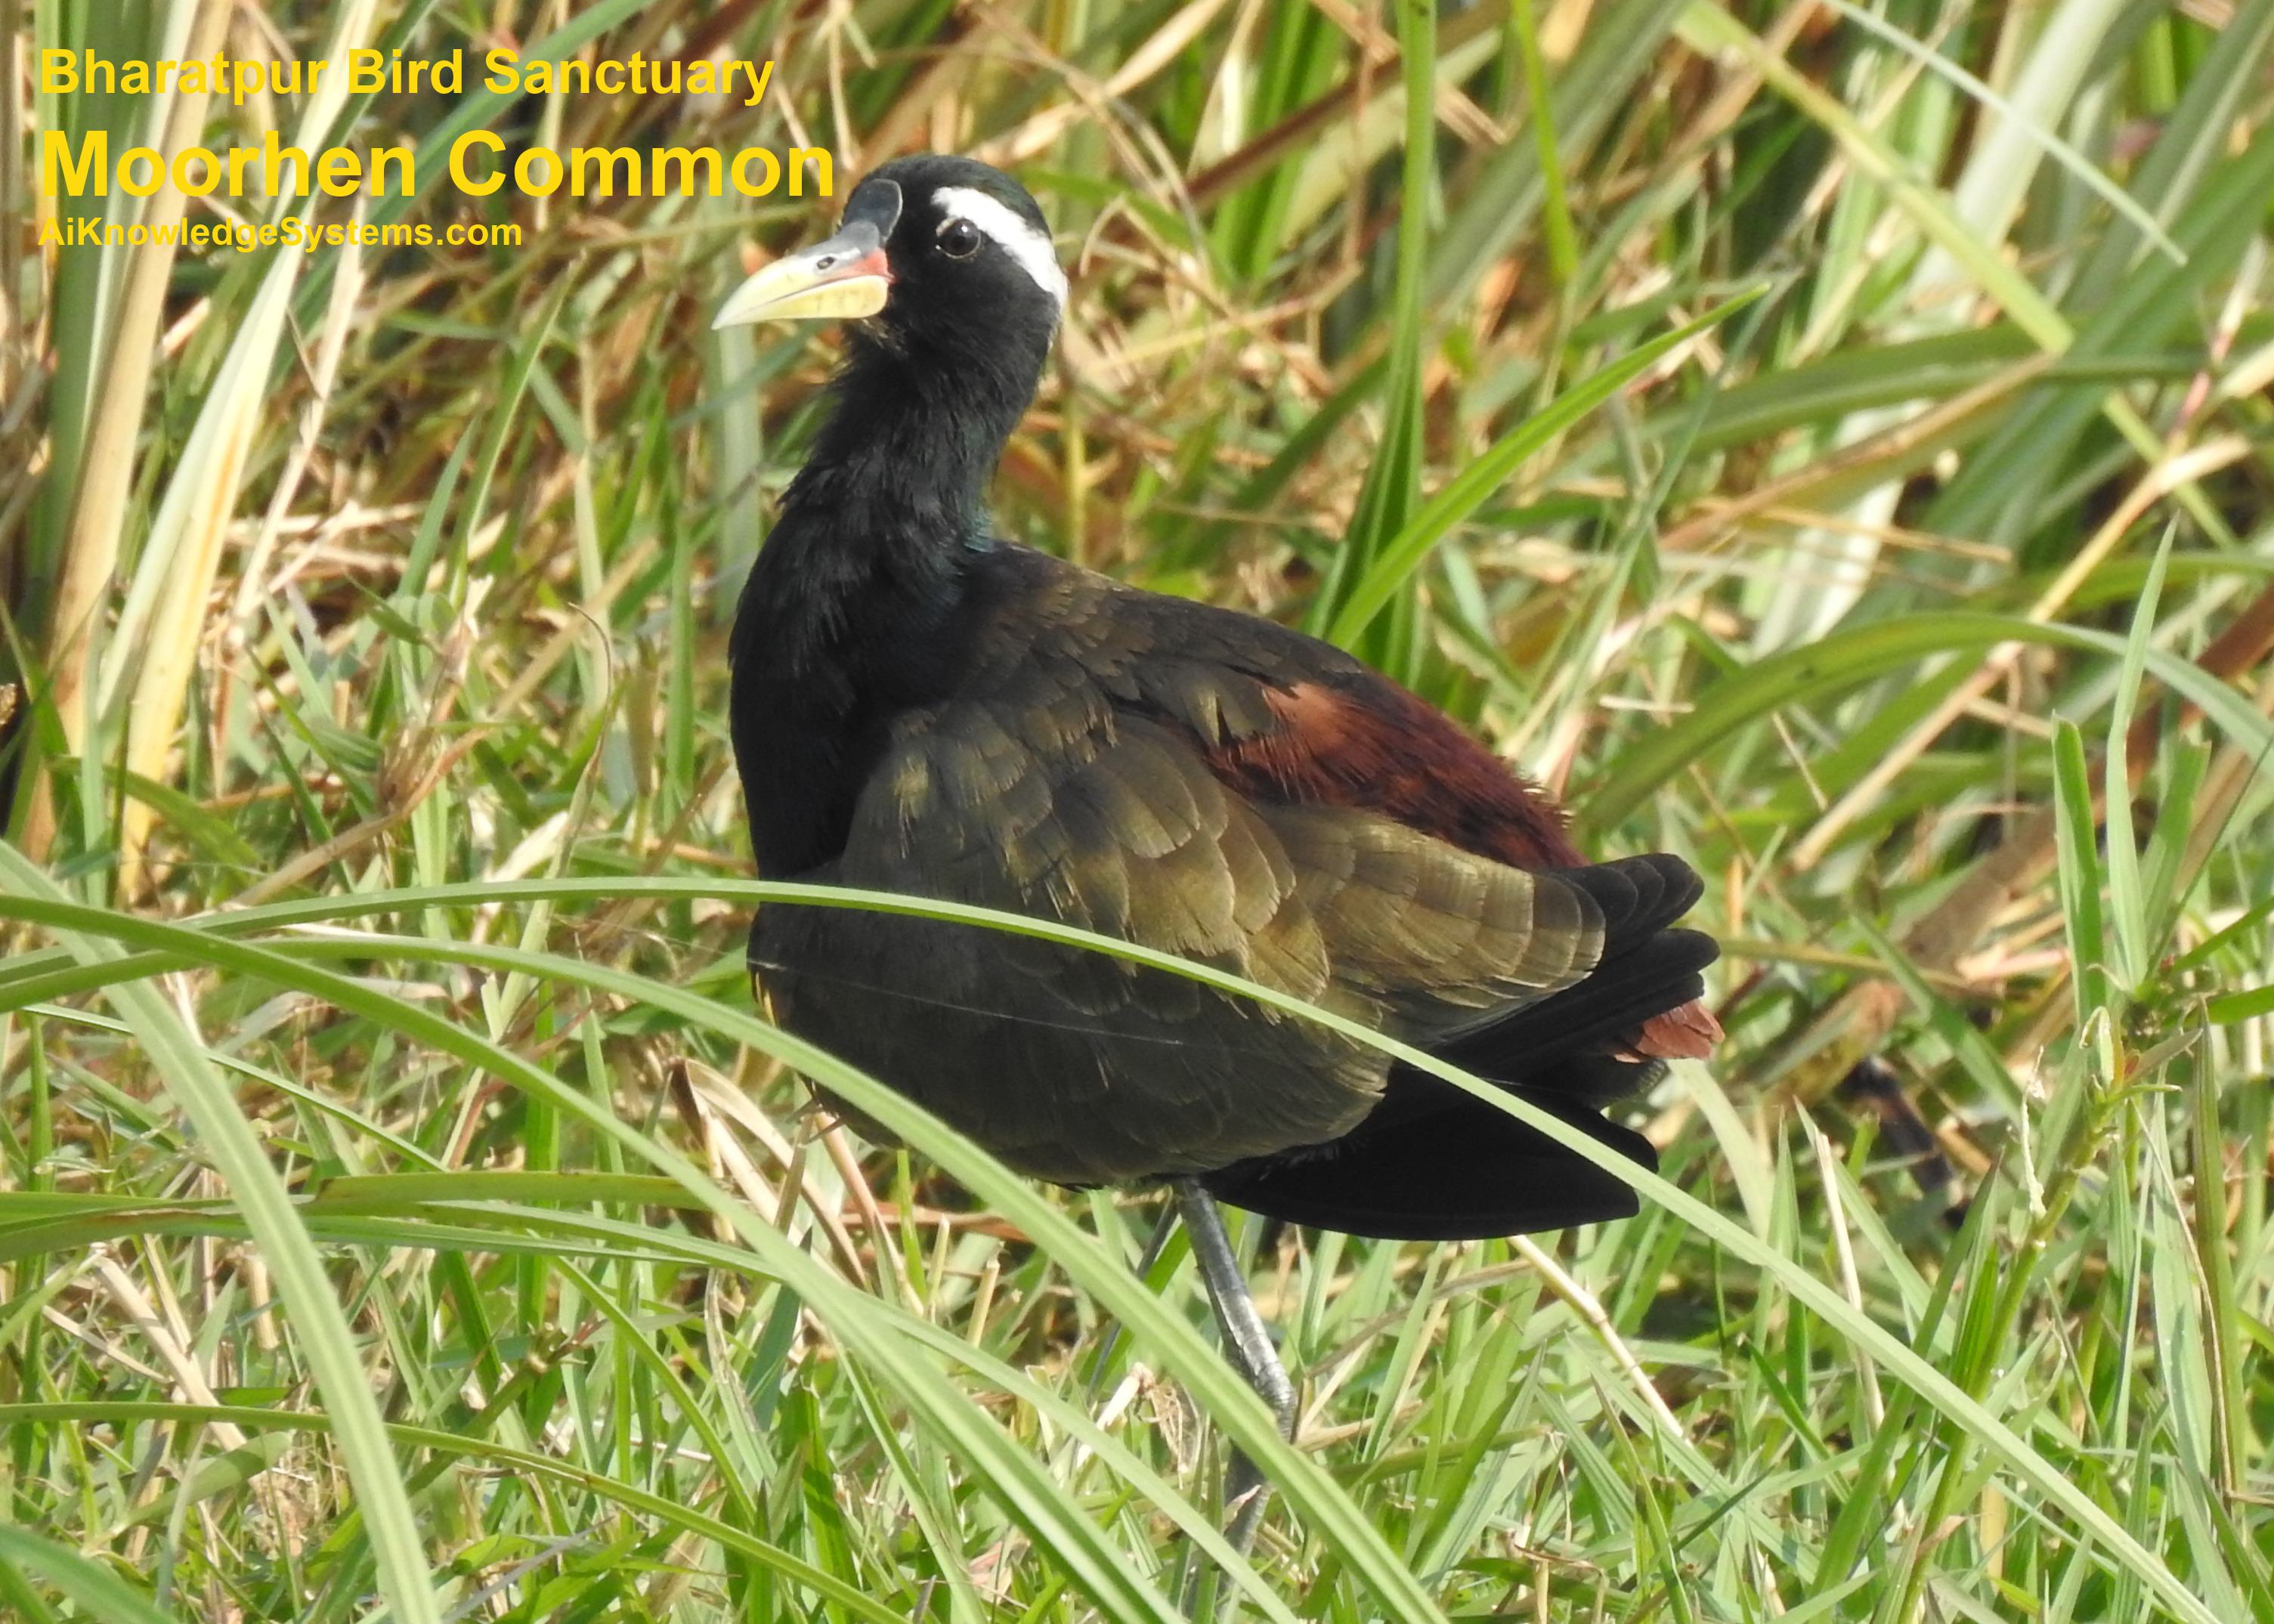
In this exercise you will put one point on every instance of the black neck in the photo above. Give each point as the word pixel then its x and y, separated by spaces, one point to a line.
pixel 915 437
pixel 877 527
pixel 851 613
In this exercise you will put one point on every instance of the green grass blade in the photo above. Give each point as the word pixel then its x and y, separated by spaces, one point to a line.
pixel 323 1331
pixel 2127 903
pixel 1405 551
pixel 2080 875
pixel 102 1593
pixel 1848 657
pixel 1236 1409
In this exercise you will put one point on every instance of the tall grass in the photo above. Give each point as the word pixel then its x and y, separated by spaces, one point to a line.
pixel 1828 443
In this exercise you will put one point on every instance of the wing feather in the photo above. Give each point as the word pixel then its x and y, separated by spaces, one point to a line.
pixel 1076 774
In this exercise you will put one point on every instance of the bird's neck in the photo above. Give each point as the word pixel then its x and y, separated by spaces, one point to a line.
pixel 912 441
pixel 877 532
pixel 854 609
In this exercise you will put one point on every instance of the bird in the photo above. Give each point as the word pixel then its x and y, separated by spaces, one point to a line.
pixel 920 704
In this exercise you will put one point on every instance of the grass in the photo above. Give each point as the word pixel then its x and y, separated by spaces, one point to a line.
pixel 1828 443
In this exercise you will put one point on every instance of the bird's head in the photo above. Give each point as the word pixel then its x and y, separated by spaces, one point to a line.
pixel 934 255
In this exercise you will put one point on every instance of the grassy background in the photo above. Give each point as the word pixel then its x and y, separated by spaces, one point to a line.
pixel 1830 442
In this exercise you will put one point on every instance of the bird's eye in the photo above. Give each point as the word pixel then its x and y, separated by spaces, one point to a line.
pixel 959 239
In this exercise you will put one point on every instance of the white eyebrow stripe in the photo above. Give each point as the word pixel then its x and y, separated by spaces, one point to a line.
pixel 1010 232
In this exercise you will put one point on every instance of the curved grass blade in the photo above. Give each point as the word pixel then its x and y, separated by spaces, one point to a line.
pixel 1850 657
pixel 298 1273
pixel 2095 179
pixel 95 1588
pixel 254 1418
pixel 1032 1501
pixel 1467 490
pixel 1235 1408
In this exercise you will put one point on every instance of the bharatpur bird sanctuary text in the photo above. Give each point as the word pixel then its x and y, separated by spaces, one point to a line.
pixel 87 167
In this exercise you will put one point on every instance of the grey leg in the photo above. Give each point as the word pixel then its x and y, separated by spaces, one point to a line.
pixel 1246 1343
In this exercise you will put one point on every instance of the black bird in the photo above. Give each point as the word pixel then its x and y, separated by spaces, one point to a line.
pixel 921 705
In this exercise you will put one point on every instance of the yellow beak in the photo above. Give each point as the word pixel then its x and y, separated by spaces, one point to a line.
pixel 847 276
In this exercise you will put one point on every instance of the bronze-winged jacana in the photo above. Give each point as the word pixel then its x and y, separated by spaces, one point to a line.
pixel 921 706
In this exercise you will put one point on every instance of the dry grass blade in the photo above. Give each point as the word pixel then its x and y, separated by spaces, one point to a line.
pixel 96 540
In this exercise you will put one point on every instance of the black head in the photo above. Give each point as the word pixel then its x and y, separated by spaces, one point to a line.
pixel 935 257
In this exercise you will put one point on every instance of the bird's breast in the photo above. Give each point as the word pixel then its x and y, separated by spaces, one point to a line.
pixel 837 635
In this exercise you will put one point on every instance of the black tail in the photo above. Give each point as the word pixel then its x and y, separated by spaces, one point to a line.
pixel 1454 1168
pixel 1434 1162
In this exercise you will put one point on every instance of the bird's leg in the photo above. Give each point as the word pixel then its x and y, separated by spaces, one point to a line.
pixel 1246 1343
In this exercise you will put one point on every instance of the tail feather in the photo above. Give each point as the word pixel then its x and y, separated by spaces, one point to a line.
pixel 1646 980
pixel 1453 1168
pixel 1434 1162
